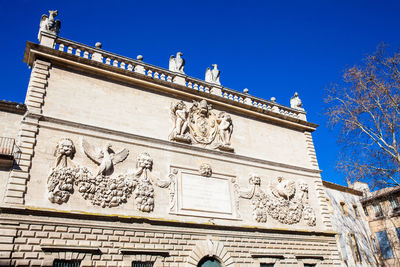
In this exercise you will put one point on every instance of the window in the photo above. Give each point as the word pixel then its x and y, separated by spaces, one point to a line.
pixel 384 245
pixel 398 233
pixel 343 208
pixel 309 264
pixel 356 213
pixel 142 264
pixel 209 262
pixel 394 203
pixel 267 264
pixel 366 211
pixel 377 210
pixel 66 263
pixel 355 248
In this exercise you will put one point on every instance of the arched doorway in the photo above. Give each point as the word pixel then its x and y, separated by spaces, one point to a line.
pixel 209 262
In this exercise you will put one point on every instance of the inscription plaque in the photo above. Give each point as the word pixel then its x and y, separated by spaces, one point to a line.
pixel 205 195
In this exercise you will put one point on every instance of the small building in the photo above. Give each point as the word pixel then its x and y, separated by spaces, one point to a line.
pixel 123 163
pixel 382 210
pixel 354 237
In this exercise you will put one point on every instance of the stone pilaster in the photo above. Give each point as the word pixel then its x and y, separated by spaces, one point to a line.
pixel 26 140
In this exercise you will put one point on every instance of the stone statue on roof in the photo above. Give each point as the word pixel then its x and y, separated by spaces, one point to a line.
pixel 177 64
pixel 212 75
pixel 295 102
pixel 49 24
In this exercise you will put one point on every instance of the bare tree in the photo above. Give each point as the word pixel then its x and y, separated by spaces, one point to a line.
pixel 365 106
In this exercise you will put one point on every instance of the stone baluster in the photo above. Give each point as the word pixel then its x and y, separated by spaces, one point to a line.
pixel 85 54
pixel 69 49
pixel 207 90
pixel 115 63
pixel 196 86
pixel 108 61
pixel 156 75
pixel 122 65
pixel 149 73
pixel 78 52
pixel 169 78
pixel 130 67
pixel 162 76
pixel 61 47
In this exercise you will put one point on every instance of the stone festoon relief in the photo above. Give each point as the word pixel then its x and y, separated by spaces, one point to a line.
pixel 101 187
pixel 60 183
pixel 200 125
pixel 144 191
pixel 284 200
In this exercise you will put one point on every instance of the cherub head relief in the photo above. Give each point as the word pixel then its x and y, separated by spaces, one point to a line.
pixel 144 161
pixel 205 170
pixel 255 179
pixel 65 149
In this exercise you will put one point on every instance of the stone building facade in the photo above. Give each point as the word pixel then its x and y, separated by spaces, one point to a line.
pixel 382 208
pixel 123 163
pixel 355 244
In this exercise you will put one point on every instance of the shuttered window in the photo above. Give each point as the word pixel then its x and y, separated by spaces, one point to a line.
pixel 384 245
pixel 66 263
pixel 142 264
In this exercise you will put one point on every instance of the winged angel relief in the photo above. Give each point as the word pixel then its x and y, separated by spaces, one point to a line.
pixel 200 125
pixel 101 187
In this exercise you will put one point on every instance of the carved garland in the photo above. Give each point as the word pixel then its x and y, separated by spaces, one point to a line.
pixel 100 187
pixel 284 200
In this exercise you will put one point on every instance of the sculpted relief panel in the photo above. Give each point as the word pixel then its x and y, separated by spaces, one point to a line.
pixel 284 200
pixel 100 187
pixel 200 125
pixel 196 192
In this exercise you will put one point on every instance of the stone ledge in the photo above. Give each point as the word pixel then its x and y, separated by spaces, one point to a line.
pixel 87 249
pixel 156 252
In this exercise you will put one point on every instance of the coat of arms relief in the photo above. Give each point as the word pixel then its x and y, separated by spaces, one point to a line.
pixel 201 125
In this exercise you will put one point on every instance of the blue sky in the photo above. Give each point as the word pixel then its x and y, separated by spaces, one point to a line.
pixel 274 48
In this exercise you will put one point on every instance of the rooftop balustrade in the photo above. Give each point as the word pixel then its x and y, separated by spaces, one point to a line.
pixel 138 66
